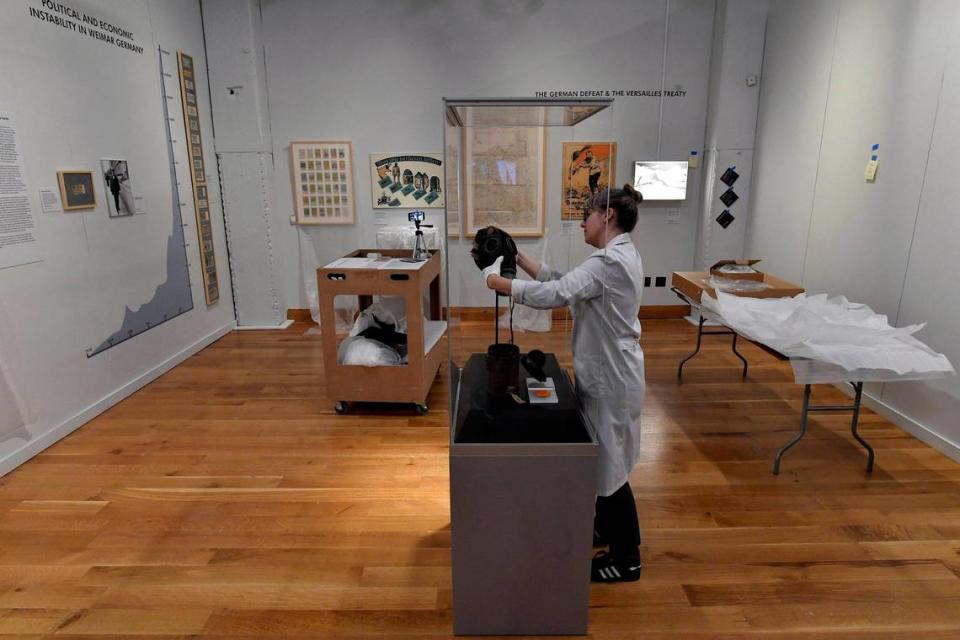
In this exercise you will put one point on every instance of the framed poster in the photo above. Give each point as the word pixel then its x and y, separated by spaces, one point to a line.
pixel 406 181
pixel 76 190
pixel 322 173
pixel 504 171
pixel 198 174
pixel 588 168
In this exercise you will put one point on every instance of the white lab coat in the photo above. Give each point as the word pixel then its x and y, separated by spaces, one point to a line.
pixel 604 295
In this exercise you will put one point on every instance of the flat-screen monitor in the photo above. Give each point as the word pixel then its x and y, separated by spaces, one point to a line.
pixel 661 180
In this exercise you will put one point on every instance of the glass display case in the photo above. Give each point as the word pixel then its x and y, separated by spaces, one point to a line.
pixel 523 451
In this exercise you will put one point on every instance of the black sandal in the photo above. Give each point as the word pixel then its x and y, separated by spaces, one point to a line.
pixel 606 568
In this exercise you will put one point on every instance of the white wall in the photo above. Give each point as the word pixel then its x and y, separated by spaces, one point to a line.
pixel 375 72
pixel 837 78
pixel 77 100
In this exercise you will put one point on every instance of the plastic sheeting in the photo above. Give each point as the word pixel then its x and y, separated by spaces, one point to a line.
pixel 831 331
pixel 526 318
pixel 357 350
pixel 406 237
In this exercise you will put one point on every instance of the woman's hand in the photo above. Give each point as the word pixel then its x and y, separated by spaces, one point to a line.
pixel 492 270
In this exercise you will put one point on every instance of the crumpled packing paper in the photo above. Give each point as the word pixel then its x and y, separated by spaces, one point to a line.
pixel 832 330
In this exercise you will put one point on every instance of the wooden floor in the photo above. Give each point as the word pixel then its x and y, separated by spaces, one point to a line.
pixel 227 499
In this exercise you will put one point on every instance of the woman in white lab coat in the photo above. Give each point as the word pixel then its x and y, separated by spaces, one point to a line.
pixel 604 295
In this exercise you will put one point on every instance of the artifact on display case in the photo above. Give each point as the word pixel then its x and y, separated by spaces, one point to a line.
pixel 198 172
pixel 661 180
pixel 588 168
pixel 76 190
pixel 407 180
pixel 322 174
pixel 116 182
pixel 505 169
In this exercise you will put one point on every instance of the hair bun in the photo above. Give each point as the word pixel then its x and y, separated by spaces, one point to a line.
pixel 633 193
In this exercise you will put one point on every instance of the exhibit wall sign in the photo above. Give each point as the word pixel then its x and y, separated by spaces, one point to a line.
pixel 412 180
pixel 18 240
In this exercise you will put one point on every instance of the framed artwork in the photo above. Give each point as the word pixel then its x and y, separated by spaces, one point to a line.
pixel 588 168
pixel 198 175
pixel 406 181
pixel 504 172
pixel 76 190
pixel 322 173
pixel 116 184
pixel 455 137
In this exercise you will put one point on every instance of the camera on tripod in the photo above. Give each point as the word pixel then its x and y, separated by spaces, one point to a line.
pixel 420 252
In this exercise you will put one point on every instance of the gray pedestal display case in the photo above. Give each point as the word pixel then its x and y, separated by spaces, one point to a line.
pixel 522 482
pixel 522 475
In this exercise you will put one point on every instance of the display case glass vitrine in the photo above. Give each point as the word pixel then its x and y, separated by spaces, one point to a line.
pixel 523 452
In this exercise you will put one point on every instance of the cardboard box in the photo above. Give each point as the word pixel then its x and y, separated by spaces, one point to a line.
pixel 756 275
pixel 694 283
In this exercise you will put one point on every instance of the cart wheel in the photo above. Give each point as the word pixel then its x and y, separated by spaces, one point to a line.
pixel 341 407
pixel 422 409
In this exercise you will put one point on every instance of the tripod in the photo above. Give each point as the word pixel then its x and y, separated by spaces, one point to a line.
pixel 420 251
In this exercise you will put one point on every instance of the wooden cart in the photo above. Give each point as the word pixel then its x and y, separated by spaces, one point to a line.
pixel 410 382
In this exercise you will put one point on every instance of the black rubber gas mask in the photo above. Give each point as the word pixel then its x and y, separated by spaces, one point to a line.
pixel 489 244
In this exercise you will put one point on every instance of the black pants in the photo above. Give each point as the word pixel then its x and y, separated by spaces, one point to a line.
pixel 616 522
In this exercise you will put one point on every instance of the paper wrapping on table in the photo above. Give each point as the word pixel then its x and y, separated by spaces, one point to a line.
pixel 832 330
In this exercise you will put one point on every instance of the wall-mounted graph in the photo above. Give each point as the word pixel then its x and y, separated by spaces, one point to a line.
pixel 174 296
pixel 198 172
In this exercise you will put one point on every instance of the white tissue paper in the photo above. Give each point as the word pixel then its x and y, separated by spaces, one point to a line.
pixel 831 330
pixel 357 350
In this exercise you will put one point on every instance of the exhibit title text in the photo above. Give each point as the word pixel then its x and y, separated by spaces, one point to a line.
pixel 612 93
pixel 61 15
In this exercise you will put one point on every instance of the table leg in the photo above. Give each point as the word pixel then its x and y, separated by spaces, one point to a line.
pixel 858 388
pixel 737 353
pixel 695 351
pixel 803 431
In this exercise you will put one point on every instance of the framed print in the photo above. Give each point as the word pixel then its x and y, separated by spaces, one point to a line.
pixel 116 184
pixel 406 180
pixel 322 175
pixel 504 171
pixel 198 175
pixel 455 140
pixel 76 190
pixel 588 168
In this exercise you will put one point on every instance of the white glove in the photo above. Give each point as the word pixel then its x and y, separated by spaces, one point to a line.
pixel 492 270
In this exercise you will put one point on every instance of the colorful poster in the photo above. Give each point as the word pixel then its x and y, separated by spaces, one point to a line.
pixel 407 181
pixel 588 168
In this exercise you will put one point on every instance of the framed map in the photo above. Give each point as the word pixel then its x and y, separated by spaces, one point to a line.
pixel 453 169
pixel 588 168
pixel 504 174
pixel 406 180
pixel 322 175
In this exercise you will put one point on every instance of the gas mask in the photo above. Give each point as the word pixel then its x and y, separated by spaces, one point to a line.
pixel 489 244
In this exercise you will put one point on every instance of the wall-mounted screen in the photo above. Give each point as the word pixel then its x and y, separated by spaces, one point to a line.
pixel 661 180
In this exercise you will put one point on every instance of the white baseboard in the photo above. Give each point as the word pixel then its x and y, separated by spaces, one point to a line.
pixel 921 432
pixel 261 327
pixel 14 459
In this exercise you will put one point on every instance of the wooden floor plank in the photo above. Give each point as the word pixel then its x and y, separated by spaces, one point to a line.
pixel 227 499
